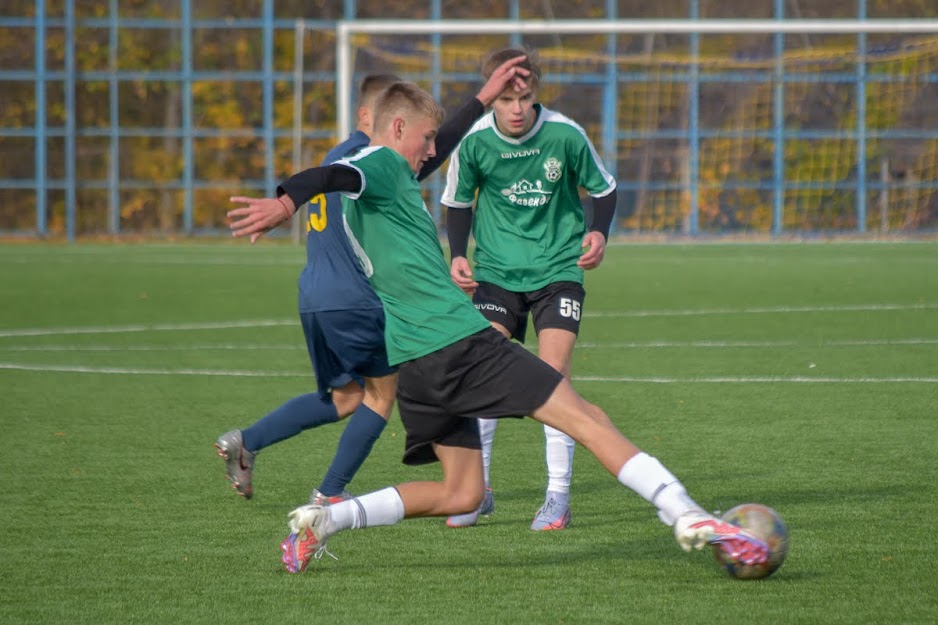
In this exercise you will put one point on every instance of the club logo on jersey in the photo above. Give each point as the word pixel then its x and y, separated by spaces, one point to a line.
pixel 524 193
pixel 553 168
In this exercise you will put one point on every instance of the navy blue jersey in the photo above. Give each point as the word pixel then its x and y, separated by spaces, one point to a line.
pixel 333 278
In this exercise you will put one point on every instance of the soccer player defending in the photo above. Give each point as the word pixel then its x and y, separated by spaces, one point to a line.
pixel 453 366
pixel 521 165
pixel 343 319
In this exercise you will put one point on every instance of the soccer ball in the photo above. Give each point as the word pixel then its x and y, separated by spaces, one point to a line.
pixel 765 524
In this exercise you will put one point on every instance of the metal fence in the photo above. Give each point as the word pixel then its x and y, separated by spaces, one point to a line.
pixel 72 175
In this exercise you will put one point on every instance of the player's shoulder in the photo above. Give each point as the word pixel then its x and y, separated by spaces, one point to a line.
pixel 355 142
pixel 480 127
pixel 559 121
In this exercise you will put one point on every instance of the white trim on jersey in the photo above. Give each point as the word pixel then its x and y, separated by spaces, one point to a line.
pixel 553 116
pixel 367 265
pixel 348 161
pixel 452 182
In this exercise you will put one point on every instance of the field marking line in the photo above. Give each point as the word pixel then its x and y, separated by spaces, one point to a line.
pixel 759 310
pixel 702 344
pixel 234 373
pixel 757 380
pixel 154 327
pixel 221 325
pixel 623 379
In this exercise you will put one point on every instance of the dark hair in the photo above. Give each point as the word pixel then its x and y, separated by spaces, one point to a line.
pixel 532 63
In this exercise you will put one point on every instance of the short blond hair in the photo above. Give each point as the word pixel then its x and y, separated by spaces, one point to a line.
pixel 405 99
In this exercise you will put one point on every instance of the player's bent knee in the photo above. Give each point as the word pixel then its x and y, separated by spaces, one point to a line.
pixel 347 399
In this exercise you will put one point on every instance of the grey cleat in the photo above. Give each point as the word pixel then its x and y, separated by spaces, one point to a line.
pixel 316 498
pixel 239 462
pixel 469 519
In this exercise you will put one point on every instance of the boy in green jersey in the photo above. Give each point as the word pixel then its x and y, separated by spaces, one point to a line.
pixel 453 366
pixel 522 165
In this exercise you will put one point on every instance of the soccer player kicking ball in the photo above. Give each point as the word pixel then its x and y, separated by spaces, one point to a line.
pixel 453 366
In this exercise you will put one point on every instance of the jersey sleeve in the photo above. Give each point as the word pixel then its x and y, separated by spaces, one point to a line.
pixel 379 171
pixel 591 173
pixel 462 179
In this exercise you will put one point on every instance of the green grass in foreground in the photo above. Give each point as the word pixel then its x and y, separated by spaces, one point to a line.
pixel 804 377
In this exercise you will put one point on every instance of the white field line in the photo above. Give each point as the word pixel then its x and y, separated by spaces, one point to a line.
pixel 743 344
pixel 763 310
pixel 580 345
pixel 221 325
pixel 624 379
pixel 232 373
pixel 153 348
pixel 156 327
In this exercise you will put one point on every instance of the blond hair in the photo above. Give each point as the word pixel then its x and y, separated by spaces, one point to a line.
pixel 405 99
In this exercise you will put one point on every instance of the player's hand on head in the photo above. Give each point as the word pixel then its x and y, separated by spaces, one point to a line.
pixel 508 74
pixel 256 217
pixel 461 273
pixel 595 245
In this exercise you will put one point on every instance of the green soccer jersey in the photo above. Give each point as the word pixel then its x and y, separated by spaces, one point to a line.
pixel 528 223
pixel 394 235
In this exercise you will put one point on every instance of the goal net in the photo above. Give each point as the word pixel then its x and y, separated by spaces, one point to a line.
pixel 749 126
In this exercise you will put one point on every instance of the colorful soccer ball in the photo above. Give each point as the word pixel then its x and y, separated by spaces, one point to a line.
pixel 765 524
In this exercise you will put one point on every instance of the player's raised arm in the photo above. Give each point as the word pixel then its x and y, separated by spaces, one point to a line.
pixel 261 215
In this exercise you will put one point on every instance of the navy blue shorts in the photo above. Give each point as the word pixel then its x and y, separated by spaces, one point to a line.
pixel 346 345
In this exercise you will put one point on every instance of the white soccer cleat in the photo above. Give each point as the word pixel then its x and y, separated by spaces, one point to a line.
pixel 309 516
pixel 309 530
pixel 697 529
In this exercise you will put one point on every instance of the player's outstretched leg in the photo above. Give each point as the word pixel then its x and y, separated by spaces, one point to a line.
pixel 312 525
pixel 239 462
pixel 644 474
pixel 239 448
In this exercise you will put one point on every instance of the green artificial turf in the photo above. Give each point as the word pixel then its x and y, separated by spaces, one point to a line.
pixel 802 376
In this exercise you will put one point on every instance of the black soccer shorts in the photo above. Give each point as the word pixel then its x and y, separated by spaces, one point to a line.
pixel 557 305
pixel 484 375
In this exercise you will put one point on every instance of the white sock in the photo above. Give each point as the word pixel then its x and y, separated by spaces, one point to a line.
pixel 487 434
pixel 559 456
pixel 653 482
pixel 383 507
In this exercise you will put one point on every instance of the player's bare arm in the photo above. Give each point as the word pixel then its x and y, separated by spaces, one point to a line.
pixel 259 215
